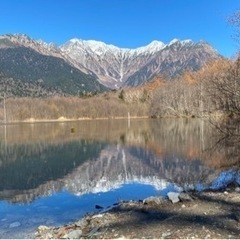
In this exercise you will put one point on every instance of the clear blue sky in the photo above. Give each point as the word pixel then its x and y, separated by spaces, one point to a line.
pixel 124 23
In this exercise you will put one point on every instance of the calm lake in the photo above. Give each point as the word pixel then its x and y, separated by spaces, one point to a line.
pixel 55 173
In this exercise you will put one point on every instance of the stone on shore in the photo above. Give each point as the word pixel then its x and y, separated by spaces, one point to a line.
pixel 173 197
pixel 154 201
pixel 75 234
pixel 138 220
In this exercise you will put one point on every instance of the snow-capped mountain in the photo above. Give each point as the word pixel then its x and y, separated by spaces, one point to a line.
pixel 117 67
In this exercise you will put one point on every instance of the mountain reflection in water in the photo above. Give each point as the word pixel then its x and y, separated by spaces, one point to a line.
pixel 40 160
pixel 37 159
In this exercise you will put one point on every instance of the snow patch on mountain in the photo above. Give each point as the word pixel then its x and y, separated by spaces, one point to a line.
pixel 100 48
pixel 113 65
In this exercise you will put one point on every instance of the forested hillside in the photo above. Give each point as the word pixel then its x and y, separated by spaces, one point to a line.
pixel 26 72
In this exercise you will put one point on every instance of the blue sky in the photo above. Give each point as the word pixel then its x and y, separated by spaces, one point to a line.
pixel 124 23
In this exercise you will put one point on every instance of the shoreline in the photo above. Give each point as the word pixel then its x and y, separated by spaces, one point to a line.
pixel 207 214
pixel 214 116
pixel 63 119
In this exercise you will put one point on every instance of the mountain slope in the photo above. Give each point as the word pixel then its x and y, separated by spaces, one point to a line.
pixel 173 60
pixel 117 67
pixel 23 64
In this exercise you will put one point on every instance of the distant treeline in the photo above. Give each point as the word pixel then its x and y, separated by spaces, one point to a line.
pixel 212 91
pixel 20 109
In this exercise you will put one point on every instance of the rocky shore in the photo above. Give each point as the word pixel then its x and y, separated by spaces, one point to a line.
pixel 208 214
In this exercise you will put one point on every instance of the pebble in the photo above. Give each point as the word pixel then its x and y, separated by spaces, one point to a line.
pixel 42 228
pixel 93 231
pixel 81 223
pixel 166 234
pixel 49 236
pixel 15 224
pixel 74 234
pixel 154 200
pixel 97 216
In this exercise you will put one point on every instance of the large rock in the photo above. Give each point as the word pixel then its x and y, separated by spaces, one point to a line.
pixel 173 197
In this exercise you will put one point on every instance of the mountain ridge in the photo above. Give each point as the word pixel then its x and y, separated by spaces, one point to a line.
pixel 116 67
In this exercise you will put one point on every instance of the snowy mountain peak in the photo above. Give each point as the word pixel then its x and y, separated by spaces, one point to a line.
pixel 187 41
pixel 153 47
pixel 182 43
pixel 156 43
pixel 175 40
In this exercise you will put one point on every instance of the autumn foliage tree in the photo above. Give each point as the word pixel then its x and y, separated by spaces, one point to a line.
pixel 212 90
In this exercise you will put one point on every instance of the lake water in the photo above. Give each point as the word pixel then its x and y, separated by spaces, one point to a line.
pixel 55 173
